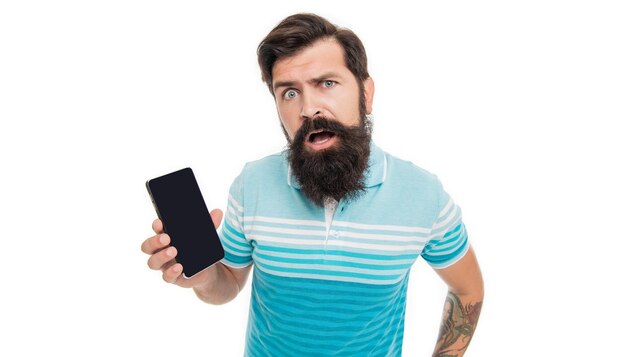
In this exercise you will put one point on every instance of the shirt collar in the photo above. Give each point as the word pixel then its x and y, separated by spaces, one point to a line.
pixel 375 174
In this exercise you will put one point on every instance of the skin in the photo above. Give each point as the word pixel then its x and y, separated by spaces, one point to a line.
pixel 316 82
pixel 215 285
pixel 462 306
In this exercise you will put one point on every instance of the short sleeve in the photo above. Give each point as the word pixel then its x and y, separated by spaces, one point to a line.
pixel 448 241
pixel 237 249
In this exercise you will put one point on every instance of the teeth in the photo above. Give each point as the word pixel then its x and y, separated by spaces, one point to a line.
pixel 321 142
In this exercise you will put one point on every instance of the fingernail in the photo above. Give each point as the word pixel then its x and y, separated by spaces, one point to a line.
pixel 163 239
pixel 170 252
pixel 177 269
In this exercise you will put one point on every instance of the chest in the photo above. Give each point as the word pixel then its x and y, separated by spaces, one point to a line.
pixel 343 242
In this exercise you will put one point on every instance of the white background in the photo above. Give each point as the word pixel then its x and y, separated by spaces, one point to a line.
pixel 516 106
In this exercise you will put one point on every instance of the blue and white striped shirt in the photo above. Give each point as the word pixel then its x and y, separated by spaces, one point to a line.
pixel 338 287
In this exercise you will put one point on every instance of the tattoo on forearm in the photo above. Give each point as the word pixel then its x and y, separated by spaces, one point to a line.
pixel 457 326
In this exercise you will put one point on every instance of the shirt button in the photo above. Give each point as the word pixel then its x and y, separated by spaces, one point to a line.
pixel 335 234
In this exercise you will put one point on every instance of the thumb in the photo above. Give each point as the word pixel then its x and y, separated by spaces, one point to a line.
pixel 217 215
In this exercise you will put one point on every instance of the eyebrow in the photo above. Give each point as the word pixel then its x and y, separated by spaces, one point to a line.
pixel 284 84
pixel 313 80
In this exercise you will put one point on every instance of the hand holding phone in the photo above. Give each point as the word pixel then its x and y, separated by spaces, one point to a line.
pixel 185 218
pixel 158 247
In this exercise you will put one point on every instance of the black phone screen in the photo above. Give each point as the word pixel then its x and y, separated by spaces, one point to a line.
pixel 186 219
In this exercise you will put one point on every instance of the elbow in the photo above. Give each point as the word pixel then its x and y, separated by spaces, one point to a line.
pixel 474 290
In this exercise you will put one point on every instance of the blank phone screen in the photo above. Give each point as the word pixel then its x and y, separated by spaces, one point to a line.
pixel 186 219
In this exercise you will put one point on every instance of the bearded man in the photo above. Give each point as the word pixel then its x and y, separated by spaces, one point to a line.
pixel 332 225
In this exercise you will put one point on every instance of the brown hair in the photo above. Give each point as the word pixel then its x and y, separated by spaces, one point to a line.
pixel 299 31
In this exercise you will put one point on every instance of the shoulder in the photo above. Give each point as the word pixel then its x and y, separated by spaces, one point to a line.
pixel 409 175
pixel 411 192
pixel 265 171
pixel 266 165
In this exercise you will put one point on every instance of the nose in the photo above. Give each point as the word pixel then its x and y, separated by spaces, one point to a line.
pixel 311 107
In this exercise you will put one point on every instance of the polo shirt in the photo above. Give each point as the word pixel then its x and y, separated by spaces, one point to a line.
pixel 335 283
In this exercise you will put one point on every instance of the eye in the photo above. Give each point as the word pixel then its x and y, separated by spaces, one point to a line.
pixel 329 83
pixel 290 94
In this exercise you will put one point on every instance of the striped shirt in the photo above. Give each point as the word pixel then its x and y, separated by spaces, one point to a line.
pixel 332 281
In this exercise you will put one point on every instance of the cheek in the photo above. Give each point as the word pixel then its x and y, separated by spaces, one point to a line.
pixel 290 125
pixel 347 106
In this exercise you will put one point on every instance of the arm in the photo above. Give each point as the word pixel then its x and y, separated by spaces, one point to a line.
pixel 224 285
pixel 462 306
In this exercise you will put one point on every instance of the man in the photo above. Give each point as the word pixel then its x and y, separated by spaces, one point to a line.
pixel 333 225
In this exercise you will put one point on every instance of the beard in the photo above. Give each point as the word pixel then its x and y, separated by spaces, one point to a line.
pixel 336 172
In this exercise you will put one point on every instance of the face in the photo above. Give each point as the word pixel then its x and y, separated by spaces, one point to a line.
pixel 322 109
pixel 316 83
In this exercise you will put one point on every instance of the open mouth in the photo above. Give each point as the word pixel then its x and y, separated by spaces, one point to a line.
pixel 319 137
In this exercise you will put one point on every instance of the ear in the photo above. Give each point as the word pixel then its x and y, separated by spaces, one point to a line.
pixel 368 86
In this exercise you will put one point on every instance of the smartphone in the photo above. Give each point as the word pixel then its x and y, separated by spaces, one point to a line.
pixel 180 206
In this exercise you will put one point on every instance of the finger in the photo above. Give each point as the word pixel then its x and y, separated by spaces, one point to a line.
pixel 173 273
pixel 157 226
pixel 217 215
pixel 158 260
pixel 155 243
pixel 168 265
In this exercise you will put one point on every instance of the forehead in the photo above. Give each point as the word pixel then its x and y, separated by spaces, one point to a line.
pixel 325 55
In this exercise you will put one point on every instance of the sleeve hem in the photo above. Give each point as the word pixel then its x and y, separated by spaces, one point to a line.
pixel 453 261
pixel 235 265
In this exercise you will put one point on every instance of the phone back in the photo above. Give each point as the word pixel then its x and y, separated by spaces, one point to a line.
pixel 180 206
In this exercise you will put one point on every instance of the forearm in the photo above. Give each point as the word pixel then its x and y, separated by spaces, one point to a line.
pixel 219 288
pixel 460 317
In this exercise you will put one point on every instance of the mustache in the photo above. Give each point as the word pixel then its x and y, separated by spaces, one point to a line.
pixel 320 123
